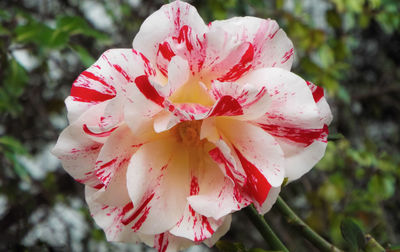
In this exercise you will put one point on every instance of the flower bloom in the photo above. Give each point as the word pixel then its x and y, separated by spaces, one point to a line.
pixel 195 122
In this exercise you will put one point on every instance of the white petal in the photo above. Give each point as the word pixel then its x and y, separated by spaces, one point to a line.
pixel 254 100
pixel 157 181
pixel 222 230
pixel 195 227
pixel 300 159
pixel 105 79
pixel 166 242
pixel 270 201
pixel 319 97
pixel 116 153
pixel 292 103
pixel 168 22
pixel 213 194
pixel 243 43
pixel 78 151
pixel 260 155
pixel 109 219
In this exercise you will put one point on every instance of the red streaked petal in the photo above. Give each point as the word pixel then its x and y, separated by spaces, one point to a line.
pixel 226 106
pixel 148 90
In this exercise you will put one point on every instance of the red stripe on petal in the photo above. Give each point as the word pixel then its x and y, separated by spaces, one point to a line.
pixel 298 135
pixel 287 56
pixel 99 134
pixel 83 94
pixel 194 186
pixel 166 51
pixel 161 242
pixel 241 67
pixel 184 37
pixel 144 85
pixel 217 155
pixel 317 92
pixel 226 106
pixel 92 76
pixel 122 71
pixel 128 219
pixel 257 185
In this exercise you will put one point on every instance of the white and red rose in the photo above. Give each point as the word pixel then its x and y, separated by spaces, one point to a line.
pixel 195 122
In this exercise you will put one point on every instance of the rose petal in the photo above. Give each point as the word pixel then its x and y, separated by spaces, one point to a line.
pixel 157 182
pixel 260 156
pixel 238 45
pixel 168 22
pixel 105 79
pixel 291 101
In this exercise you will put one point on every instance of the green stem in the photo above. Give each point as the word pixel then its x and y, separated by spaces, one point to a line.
pixel 372 245
pixel 265 230
pixel 304 229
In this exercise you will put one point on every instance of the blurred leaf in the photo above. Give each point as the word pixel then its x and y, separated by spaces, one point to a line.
pixel 333 18
pixel 385 185
pixel 48 37
pixel 19 169
pixel 344 95
pixel 12 145
pixel 227 246
pixel 326 55
pixel 74 25
pixel 352 234
pixel 14 83
pixel 84 55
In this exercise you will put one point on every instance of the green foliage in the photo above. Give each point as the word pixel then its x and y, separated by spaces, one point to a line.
pixel 352 234
pixel 11 148
pixel 227 246
pixel 13 86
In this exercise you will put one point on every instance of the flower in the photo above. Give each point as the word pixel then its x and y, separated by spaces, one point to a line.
pixel 194 123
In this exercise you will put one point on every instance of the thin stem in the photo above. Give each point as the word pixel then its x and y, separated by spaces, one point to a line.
pixel 304 229
pixel 372 245
pixel 265 230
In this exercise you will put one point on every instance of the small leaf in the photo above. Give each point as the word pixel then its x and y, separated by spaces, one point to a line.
pixel 227 246
pixel 84 55
pixel 12 145
pixel 352 234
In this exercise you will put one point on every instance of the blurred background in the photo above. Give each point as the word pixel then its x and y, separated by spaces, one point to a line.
pixel 351 48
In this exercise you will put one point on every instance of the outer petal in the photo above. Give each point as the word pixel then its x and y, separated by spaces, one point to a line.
pixel 300 157
pixel 110 219
pixel 78 151
pixel 260 155
pixel 222 230
pixel 240 44
pixel 116 153
pixel 253 100
pixel 270 201
pixel 157 181
pixel 168 22
pixel 195 227
pixel 105 79
pixel 292 103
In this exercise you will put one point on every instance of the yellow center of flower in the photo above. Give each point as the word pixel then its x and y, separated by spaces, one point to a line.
pixel 188 133
pixel 193 91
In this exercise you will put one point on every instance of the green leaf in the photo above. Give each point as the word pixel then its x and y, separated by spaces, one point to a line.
pixel 226 246
pixel 352 234
pixel 326 55
pixel 385 185
pixel 12 145
pixel 84 55
pixel 42 35
pixel 74 25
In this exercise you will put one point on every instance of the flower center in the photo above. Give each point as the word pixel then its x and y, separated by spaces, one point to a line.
pixel 193 91
pixel 188 133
